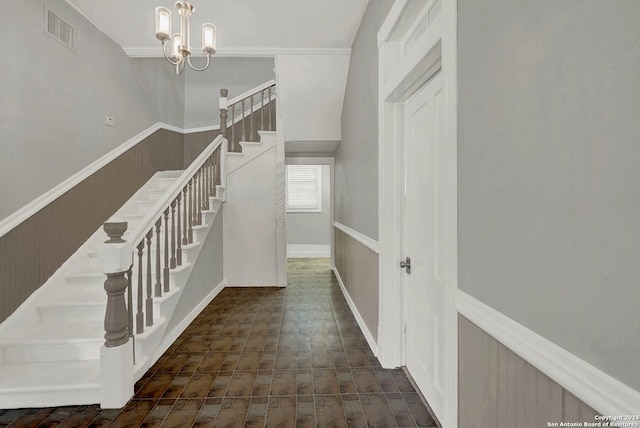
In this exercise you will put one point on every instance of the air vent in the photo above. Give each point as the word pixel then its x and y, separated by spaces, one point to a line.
pixel 59 29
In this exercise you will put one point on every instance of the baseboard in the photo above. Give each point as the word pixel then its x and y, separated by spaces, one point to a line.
pixel 251 285
pixel 172 336
pixel 367 334
pixel 308 251
pixel 599 390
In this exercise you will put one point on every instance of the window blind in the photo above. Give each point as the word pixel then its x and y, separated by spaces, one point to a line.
pixel 304 188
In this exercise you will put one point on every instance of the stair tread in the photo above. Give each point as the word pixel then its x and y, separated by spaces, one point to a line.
pixel 70 331
pixel 59 375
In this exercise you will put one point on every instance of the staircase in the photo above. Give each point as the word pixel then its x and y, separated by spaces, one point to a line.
pixel 53 350
pixel 54 359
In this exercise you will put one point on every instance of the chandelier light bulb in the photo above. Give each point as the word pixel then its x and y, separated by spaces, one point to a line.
pixel 163 23
pixel 209 38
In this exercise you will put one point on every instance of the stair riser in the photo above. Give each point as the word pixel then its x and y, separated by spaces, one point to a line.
pixel 49 352
pixel 147 346
pixel 58 314
pixel 97 279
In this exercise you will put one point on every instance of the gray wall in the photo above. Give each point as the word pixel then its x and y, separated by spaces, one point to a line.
pixel 356 167
pixel 313 228
pixel 205 276
pixel 53 101
pixel 32 251
pixel 238 75
pixel 549 101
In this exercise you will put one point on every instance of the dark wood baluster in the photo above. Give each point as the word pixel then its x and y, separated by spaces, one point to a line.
pixel 218 168
pixel 212 173
pixel 130 299
pixel 185 239
pixel 172 261
pixel 149 300
pixel 130 307
pixel 232 146
pixel 140 314
pixel 203 193
pixel 203 189
pixel 179 234
pixel 243 122
pixel 165 272
pixel 262 110
pixel 205 185
pixel 190 193
pixel 199 202
pixel 215 171
pixel 269 107
pixel 251 120
pixel 158 285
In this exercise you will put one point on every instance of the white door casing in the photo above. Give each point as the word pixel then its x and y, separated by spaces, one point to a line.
pixel 416 41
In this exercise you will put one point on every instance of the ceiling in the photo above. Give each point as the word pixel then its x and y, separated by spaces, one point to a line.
pixel 245 27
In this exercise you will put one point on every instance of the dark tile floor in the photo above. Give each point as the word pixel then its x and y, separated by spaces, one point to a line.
pixel 261 357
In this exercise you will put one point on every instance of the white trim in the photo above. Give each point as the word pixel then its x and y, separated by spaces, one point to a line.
pixel 306 160
pixel 174 190
pixel 363 327
pixel 605 394
pixel 155 52
pixel 400 75
pixel 308 251
pixel 252 285
pixel 202 129
pixel 390 22
pixel 84 15
pixel 46 198
pixel 371 244
pixel 22 214
pixel 251 92
pixel 171 337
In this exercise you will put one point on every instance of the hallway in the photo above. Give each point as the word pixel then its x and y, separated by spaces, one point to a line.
pixel 261 357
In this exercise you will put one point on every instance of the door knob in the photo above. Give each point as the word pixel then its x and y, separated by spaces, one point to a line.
pixel 406 265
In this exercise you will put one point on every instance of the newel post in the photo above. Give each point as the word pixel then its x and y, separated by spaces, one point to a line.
pixel 116 355
pixel 223 112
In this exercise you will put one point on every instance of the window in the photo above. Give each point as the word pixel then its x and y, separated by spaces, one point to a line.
pixel 304 188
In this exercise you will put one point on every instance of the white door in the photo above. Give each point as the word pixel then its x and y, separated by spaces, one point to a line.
pixel 424 240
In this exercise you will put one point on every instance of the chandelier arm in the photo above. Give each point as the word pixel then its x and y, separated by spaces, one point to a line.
pixel 180 67
pixel 164 52
pixel 199 69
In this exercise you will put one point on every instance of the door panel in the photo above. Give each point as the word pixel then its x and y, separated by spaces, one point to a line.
pixel 423 238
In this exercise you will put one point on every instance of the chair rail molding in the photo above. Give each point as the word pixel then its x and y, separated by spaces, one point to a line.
pixel 371 244
pixel 599 390
pixel 43 200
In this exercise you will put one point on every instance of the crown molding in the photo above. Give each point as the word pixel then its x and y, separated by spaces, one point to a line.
pixel 156 52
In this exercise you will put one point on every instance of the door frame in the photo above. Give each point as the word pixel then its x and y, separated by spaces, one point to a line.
pixel 414 43
pixel 324 160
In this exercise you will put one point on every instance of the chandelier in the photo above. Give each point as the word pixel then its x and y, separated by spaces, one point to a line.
pixel 179 42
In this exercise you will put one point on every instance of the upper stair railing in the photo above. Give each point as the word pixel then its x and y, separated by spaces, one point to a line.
pixel 250 112
pixel 138 268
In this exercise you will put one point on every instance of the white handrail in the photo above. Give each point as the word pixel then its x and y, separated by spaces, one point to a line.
pixel 163 203
pixel 251 92
pixel 248 111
